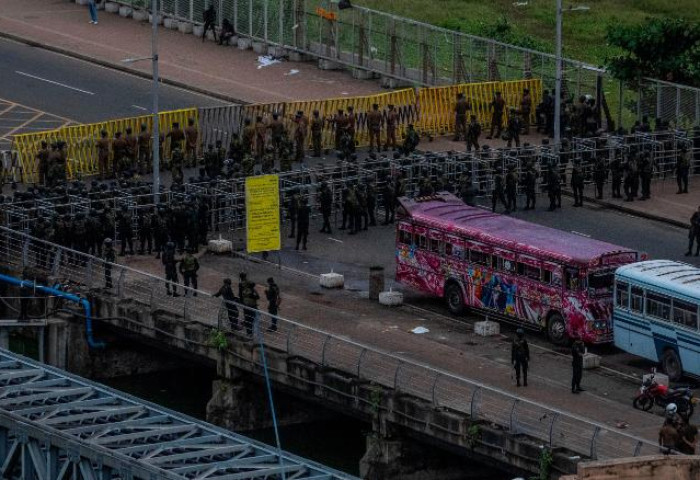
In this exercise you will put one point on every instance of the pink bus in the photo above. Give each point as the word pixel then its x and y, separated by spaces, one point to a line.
pixel 512 270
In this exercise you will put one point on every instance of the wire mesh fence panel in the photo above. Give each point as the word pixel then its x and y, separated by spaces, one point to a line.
pixel 341 355
pixel 453 393
pixel 377 368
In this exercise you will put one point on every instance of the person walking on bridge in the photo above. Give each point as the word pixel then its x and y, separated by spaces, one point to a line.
pixel 520 356
pixel 226 292
pixel 577 351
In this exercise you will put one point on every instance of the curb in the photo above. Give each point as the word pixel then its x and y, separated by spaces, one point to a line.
pixel 121 68
pixel 632 211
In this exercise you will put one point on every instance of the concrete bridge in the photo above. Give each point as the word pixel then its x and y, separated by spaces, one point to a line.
pixel 402 398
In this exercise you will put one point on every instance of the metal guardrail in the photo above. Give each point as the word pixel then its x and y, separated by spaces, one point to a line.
pixel 57 425
pixel 543 423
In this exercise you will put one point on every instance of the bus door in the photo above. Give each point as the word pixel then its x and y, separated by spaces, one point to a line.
pixel 454 263
pixel 503 285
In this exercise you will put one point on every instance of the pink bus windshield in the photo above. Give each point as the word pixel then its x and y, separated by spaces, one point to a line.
pixel 523 272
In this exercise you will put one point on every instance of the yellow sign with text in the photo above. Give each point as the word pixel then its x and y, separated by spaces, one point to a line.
pixel 262 206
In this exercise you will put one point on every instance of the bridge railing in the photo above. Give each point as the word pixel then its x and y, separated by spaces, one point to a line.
pixel 545 424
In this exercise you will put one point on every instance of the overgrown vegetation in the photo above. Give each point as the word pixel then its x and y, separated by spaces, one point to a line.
pixel 218 340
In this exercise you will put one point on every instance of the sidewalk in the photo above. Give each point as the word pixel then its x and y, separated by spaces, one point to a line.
pixel 225 72
pixel 665 205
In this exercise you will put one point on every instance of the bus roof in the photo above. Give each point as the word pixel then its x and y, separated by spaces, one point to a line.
pixel 447 212
pixel 667 274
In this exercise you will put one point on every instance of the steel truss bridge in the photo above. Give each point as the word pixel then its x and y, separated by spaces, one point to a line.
pixel 57 426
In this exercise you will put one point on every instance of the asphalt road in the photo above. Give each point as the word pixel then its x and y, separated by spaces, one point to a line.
pixel 81 91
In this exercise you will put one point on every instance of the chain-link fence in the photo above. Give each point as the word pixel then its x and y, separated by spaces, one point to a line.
pixel 368 365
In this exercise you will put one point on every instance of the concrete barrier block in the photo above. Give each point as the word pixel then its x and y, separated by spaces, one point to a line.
pixel 276 51
pixel 332 280
pixel 390 82
pixel 591 360
pixel 112 7
pixel 81 2
pixel 220 246
pixel 299 57
pixel 391 298
pixel 487 328
pixel 125 11
pixel 140 15
pixel 362 74
pixel 233 41
pixel 210 36
pixel 244 43
pixel 260 48
pixel 170 23
pixel 101 6
pixel 324 64
pixel 159 19
pixel 184 27
pixel 198 31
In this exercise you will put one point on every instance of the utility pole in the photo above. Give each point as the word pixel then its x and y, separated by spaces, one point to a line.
pixel 557 88
pixel 154 94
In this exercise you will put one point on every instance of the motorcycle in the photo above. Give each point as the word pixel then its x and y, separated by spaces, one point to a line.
pixel 652 393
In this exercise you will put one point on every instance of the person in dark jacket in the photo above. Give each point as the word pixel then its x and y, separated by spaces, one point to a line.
pixel 520 356
pixel 303 223
pixel 226 292
pixel 577 351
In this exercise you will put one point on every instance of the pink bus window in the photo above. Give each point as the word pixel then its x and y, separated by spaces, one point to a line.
pixel 480 257
pixel 448 249
pixel 529 271
pixel 434 245
pixel 571 279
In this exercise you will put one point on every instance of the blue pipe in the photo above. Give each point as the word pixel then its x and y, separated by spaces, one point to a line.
pixel 92 343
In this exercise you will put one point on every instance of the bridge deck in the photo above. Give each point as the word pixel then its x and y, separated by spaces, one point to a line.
pixel 67 423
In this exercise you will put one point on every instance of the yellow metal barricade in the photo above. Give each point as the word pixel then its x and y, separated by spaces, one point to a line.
pixel 513 94
pixel 81 141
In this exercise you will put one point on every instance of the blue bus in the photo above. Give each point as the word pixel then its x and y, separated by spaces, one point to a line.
pixel 655 314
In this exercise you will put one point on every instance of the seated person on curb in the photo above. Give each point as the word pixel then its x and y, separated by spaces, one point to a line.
pixel 227 31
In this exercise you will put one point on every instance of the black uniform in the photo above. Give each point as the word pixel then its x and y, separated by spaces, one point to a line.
pixel 226 292
pixel 498 194
pixel 511 190
pixel 126 232
pixel 273 302
pixel 389 199
pixel 303 224
pixel 577 182
pixel 326 201
pixel 520 358
pixel 170 264
pixel 530 188
pixel 110 257
pixel 600 174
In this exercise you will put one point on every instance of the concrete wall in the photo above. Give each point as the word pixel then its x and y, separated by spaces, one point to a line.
pixel 657 467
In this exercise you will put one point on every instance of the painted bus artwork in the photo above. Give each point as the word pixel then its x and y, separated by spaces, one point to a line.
pixel 510 269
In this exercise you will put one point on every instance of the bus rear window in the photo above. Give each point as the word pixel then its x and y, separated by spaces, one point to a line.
pixel 685 314
pixel 600 283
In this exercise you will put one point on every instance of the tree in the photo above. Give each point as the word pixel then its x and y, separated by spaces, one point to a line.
pixel 667 49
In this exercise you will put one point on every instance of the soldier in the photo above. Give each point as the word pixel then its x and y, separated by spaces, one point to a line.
pixel 577 182
pixel 176 136
pixel 553 188
pixel 317 133
pixel 682 169
pixel 411 141
pixel 191 140
pixel 248 138
pixel 361 210
pixel 461 108
pixel 694 234
pixel 145 230
pixel 260 133
pixel 132 144
pixel 374 126
pixel 520 356
pixel 126 232
pixel 273 302
pixel 94 233
pixel 103 154
pixel 176 163
pixel 277 134
pixel 40 231
pixel 351 126
pixel 302 125
pixel 42 160
pixel 292 209
pixel 188 268
pixel 511 189
pixel 326 204
pixel 498 194
pixel 497 106
pixel 144 142
pixel 191 225
pixel 617 172
pixel 170 264
pixel 249 297
pixel 600 174
pixel 525 109
pixel 79 233
pixel 350 211
pixel 158 228
pixel 467 192
pixel 473 134
pixel 392 121
pixel 389 200
pixel 211 160
pixel 513 129
pixel 530 187
pixel 226 292
pixel 303 222
pixel 109 258
pixel 371 203
pixel 340 123
pixel 218 166
pixel 119 152
pixel 577 351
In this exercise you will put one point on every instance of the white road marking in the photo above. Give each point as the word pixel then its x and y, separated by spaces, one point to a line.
pixel 139 107
pixel 335 240
pixel 581 234
pixel 54 83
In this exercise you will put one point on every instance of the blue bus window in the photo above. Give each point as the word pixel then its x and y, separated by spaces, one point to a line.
pixel 685 314
pixel 659 306
pixel 637 299
pixel 622 296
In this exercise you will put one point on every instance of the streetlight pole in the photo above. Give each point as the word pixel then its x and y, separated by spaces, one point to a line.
pixel 154 94
pixel 557 88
